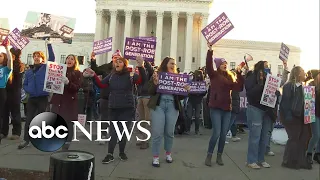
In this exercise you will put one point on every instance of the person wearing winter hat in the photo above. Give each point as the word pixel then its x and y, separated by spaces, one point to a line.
pixel 223 82
pixel 120 83
pixel 104 70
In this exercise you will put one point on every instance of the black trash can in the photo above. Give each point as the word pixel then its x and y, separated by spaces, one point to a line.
pixel 72 165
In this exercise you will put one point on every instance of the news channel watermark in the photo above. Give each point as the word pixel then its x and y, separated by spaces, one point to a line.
pixel 48 131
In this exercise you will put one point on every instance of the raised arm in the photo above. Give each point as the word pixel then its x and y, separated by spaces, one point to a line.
pixel 141 78
pixel 149 69
pixel 209 64
pixel 104 83
pixel 50 52
pixel 10 61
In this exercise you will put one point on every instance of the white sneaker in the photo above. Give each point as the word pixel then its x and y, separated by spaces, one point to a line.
pixel 254 166
pixel 265 165
pixel 227 142
pixel 169 158
pixel 236 139
pixel 270 153
pixel 155 162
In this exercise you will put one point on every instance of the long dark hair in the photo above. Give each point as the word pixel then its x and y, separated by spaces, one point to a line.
pixel 198 75
pixel 163 65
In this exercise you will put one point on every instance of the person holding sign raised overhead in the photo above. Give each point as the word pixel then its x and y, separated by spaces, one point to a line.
pixel 33 85
pixel 164 110
pixel 223 82
pixel 121 101
pixel 5 73
pixel 66 104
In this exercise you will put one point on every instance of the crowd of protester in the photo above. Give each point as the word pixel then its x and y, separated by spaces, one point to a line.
pixel 115 92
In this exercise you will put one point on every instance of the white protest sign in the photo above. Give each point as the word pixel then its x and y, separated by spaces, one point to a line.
pixel 53 80
pixel 82 118
pixel 272 85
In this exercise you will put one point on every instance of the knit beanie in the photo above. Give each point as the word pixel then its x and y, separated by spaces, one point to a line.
pixel 219 61
pixel 117 53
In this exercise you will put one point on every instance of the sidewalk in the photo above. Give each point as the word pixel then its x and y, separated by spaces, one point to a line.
pixel 189 153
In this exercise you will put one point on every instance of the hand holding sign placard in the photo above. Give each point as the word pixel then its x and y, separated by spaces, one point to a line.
pixel 198 87
pixel 269 97
pixel 138 47
pixel 102 46
pixel 284 52
pixel 309 104
pixel 170 83
pixel 217 29
pixel 16 40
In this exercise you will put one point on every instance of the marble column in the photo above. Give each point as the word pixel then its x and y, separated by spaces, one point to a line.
pixel 98 32
pixel 112 32
pixel 203 41
pixel 159 38
pixel 105 35
pixel 188 50
pixel 174 35
pixel 143 22
pixel 127 26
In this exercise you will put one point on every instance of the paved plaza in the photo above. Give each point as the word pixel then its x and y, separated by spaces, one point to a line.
pixel 189 153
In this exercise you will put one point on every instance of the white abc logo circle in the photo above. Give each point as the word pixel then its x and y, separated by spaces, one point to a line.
pixel 36 132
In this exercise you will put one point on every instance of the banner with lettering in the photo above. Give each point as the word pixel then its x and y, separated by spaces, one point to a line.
pixel 284 52
pixel 102 46
pixel 44 25
pixel 170 83
pixel 16 40
pixel 309 104
pixel 271 85
pixel 198 87
pixel 153 39
pixel 217 29
pixel 137 47
pixel 3 34
pixel 53 82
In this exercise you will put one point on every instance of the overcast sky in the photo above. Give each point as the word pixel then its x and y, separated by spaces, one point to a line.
pixel 294 22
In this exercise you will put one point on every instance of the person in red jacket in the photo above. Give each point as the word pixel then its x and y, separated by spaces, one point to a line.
pixel 223 82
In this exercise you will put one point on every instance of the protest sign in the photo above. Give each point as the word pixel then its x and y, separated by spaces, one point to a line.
pixel 198 87
pixel 138 47
pixel 271 85
pixel 217 29
pixel 53 82
pixel 43 25
pixel 16 40
pixel 102 46
pixel 284 52
pixel 309 104
pixel 82 118
pixel 170 83
pixel 3 33
pixel 152 39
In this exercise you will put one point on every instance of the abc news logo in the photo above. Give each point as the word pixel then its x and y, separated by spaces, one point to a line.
pixel 48 131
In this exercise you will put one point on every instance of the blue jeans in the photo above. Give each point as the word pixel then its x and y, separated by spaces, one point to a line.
pixel 259 126
pixel 315 139
pixel 220 125
pixel 268 148
pixel 232 125
pixel 163 121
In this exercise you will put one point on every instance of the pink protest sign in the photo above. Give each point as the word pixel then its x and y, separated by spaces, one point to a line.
pixel 16 40
pixel 309 104
pixel 217 29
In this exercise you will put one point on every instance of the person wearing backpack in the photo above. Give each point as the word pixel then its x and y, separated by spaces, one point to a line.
pixel 121 105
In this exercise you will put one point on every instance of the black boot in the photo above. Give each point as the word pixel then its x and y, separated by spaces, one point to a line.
pixel 316 157
pixel 309 158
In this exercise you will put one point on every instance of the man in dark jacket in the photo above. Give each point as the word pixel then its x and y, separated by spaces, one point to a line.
pixel 14 98
pixel 143 99
pixel 104 70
